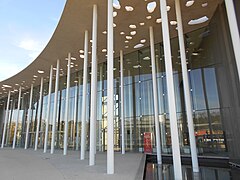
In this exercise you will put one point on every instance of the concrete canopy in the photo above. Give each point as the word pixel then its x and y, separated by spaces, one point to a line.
pixel 77 17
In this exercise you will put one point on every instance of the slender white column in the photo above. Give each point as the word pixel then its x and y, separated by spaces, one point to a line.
pixel 100 122
pixel 65 143
pixel 186 88
pixel 110 92
pixel 122 103
pixel 170 92
pixel 29 116
pixel 16 125
pixel 93 109
pixel 75 111
pixel 77 120
pixel 234 31
pixel 55 108
pixel 84 96
pixel 6 119
pixel 130 101
pixel 48 110
pixel 155 96
pixel 39 114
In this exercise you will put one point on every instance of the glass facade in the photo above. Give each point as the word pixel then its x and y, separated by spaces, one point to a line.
pixel 213 85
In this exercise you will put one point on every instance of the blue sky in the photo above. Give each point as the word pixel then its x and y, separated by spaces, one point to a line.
pixel 26 26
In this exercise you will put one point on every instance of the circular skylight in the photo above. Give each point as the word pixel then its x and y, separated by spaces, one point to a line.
pixel 189 3
pixel 138 46
pixel 129 8
pixel 159 20
pixel 151 6
pixel 132 26
pixel 133 33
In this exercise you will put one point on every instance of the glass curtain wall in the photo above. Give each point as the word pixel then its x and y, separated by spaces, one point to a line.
pixel 205 50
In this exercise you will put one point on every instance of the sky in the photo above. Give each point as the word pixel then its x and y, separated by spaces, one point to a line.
pixel 26 26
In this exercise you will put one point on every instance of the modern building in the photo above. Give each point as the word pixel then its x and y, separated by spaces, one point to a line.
pixel 114 71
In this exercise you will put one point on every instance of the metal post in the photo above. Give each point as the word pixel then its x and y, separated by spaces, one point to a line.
pixel 100 122
pixel 170 92
pixel 39 114
pixel 110 91
pixel 77 120
pixel 16 125
pixel 187 97
pixel 122 103
pixel 75 111
pixel 93 109
pixel 65 143
pixel 6 119
pixel 84 96
pixel 234 31
pixel 29 117
pixel 55 108
pixel 48 110
pixel 155 96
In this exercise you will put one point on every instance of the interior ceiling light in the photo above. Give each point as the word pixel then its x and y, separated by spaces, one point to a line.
pixel 132 26
pixel 168 8
pixel 126 41
pixel 126 47
pixel 129 8
pixel 173 23
pixel 73 58
pixel 122 33
pixel 104 32
pixel 114 25
pixel 146 58
pixel 17 84
pixel 159 20
pixel 189 3
pixel 129 37
pixel 114 14
pixel 104 50
pixel 82 56
pixel 35 76
pixel 142 24
pixel 6 86
pixel 151 6
pixel 205 4
pixel 138 46
pixel 143 40
pixel 40 71
pixel 133 33
pixel 198 21
pixel 116 4
pixel 149 17
pixel 81 51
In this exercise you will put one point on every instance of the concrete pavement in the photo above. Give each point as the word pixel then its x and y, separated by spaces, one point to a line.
pixel 20 164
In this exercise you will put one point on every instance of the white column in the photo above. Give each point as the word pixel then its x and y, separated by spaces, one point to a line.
pixel 130 101
pixel 186 88
pixel 75 111
pixel 155 96
pixel 100 122
pixel 234 31
pixel 110 92
pixel 16 125
pixel 29 116
pixel 6 119
pixel 93 107
pixel 170 92
pixel 77 121
pixel 65 143
pixel 55 108
pixel 39 114
pixel 84 96
pixel 48 110
pixel 122 103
